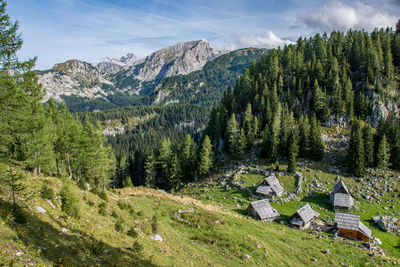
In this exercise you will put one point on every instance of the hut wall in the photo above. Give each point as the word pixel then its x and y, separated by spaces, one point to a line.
pixel 362 237
pixel 348 233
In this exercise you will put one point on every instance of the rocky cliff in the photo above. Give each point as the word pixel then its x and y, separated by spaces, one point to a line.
pixel 113 65
pixel 126 74
pixel 182 58
pixel 74 77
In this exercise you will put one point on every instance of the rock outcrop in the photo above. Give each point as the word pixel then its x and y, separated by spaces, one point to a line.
pixel 182 58
pixel 126 74
pixel 113 65
pixel 73 77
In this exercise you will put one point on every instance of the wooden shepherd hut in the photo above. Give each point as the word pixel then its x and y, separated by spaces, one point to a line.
pixel 340 197
pixel 263 210
pixel 350 226
pixel 270 187
pixel 303 217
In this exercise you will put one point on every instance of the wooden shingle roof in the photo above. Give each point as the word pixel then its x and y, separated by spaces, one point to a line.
pixel 264 209
pixel 342 200
pixel 263 189
pixel 273 182
pixel 351 222
pixel 306 213
pixel 340 186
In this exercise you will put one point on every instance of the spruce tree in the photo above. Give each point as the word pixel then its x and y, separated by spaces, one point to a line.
pixel 383 154
pixel 150 171
pixel 368 146
pixel 232 135
pixel 187 159
pixel 205 156
pixel 356 154
pixel 316 143
pixel 248 126
pixel 293 153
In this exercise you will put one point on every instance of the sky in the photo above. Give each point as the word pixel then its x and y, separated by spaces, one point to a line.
pixel 92 30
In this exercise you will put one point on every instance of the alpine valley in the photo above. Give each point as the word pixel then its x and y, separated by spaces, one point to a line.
pixel 197 156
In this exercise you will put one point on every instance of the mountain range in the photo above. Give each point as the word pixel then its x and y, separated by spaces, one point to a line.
pixel 127 75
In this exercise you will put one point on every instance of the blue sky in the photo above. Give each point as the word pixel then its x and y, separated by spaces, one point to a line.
pixel 91 30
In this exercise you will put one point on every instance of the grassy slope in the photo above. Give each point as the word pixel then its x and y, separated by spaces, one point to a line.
pixel 217 234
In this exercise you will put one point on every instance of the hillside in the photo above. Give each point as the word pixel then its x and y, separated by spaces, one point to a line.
pixel 209 230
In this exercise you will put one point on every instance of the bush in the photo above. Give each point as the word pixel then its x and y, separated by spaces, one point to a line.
pixel 154 224
pixel 103 209
pixel 137 247
pixel 132 233
pixel 82 185
pixel 119 225
pixel 100 193
pixel 69 201
pixel 47 192
pixel 114 214
pixel 90 203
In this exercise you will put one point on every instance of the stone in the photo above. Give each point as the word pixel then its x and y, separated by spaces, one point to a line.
pixel 64 230
pixel 156 237
pixel 51 204
pixel 326 251
pixel 314 260
pixel 246 256
pixel 40 209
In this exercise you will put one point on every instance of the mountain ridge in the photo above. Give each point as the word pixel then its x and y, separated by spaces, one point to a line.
pixel 75 77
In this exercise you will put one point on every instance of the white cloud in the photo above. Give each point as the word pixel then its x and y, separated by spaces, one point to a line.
pixel 335 15
pixel 269 40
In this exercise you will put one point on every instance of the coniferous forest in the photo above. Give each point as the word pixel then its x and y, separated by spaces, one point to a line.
pixel 277 107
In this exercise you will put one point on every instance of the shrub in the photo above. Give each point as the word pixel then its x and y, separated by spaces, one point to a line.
pixel 97 247
pixel 119 225
pixel 69 201
pixel 82 185
pixel 154 224
pixel 137 247
pixel 90 203
pixel 47 192
pixel 103 209
pixel 132 232
pixel 103 195
pixel 114 214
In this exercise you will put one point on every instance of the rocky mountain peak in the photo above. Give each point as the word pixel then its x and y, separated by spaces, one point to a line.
pixel 113 65
pixel 182 58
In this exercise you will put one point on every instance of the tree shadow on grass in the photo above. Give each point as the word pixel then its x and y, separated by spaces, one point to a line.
pixel 75 248
pixel 319 199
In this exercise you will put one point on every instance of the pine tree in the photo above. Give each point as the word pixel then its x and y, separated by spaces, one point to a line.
pixel 187 159
pixel 242 143
pixel 150 171
pixel 383 154
pixel 356 154
pixel 273 138
pixel 368 146
pixel 247 126
pixel 304 132
pixel 293 154
pixel 316 143
pixel 164 160
pixel 15 182
pixel 205 156
pixel 232 135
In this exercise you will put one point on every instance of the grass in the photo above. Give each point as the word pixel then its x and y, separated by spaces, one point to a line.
pixel 217 233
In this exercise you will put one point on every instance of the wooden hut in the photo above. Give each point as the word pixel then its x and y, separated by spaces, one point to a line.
pixel 263 210
pixel 270 187
pixel 303 217
pixel 340 197
pixel 350 226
